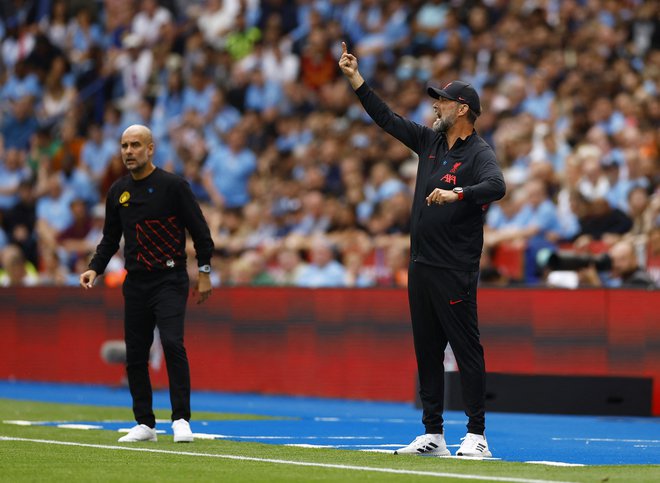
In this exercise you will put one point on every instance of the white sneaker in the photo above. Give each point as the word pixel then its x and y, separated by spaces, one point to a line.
pixel 426 444
pixel 141 432
pixel 182 432
pixel 475 446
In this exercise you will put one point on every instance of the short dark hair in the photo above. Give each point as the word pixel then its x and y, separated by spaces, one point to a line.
pixel 472 116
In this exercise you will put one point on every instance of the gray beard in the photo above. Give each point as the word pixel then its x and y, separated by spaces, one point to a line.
pixel 442 125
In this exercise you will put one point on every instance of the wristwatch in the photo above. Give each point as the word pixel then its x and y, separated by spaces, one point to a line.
pixel 459 191
pixel 205 268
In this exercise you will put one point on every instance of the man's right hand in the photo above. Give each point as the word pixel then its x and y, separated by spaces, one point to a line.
pixel 349 66
pixel 87 279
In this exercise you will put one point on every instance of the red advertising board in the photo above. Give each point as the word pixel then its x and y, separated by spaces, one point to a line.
pixel 343 343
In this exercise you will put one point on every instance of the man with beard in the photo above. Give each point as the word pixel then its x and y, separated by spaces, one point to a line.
pixel 457 177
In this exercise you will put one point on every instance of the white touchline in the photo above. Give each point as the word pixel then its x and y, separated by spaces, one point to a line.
pixel 285 462
pixel 609 440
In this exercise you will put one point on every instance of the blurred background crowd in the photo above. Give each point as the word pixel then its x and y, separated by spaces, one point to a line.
pixel 246 101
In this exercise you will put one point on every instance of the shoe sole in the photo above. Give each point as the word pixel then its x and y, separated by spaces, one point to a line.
pixel 153 440
pixel 184 439
pixel 426 453
pixel 481 455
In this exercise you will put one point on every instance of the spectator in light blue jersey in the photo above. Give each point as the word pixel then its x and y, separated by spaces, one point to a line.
pixel 539 97
pixel 323 270
pixel 21 83
pixel 18 126
pixel 222 116
pixel 77 182
pixel 53 211
pixel 13 171
pixel 198 94
pixel 228 169
pixel 262 96
pixel 82 35
pixel 169 103
pixel 382 185
pixel 96 153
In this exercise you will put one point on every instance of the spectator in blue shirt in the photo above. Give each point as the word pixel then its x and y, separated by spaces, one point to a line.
pixel 77 181
pixel 22 83
pixel 53 210
pixel 222 118
pixel 19 126
pixel 169 103
pixel 262 96
pixel 323 270
pixel 540 97
pixel 82 35
pixel 198 94
pixel 96 153
pixel 228 169
pixel 13 172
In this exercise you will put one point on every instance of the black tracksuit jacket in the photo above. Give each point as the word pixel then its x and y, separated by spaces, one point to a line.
pixel 449 235
pixel 152 214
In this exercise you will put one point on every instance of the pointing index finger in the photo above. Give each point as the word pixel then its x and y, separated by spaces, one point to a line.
pixel 343 47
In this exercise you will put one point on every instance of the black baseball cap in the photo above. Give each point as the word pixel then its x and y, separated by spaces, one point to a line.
pixel 458 91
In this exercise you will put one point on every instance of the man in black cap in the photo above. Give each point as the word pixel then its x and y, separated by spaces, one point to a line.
pixel 457 177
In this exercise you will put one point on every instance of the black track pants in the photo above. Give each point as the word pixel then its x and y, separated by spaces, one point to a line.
pixel 443 309
pixel 150 301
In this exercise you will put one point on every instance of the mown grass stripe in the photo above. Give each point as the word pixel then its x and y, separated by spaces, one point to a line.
pixel 285 462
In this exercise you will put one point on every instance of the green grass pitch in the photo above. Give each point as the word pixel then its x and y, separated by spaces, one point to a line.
pixel 46 453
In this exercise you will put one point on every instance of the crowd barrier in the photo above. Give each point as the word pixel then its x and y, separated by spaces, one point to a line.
pixel 340 343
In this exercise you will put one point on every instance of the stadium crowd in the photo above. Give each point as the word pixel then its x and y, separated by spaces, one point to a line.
pixel 246 101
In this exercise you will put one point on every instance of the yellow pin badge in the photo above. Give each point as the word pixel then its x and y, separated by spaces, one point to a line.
pixel 123 199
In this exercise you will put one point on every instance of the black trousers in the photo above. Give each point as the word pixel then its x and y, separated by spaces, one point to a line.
pixel 443 309
pixel 156 300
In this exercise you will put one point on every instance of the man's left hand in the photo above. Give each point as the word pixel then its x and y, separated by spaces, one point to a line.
pixel 203 287
pixel 441 197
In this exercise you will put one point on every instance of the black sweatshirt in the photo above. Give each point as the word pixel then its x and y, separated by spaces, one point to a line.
pixel 152 214
pixel 448 235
